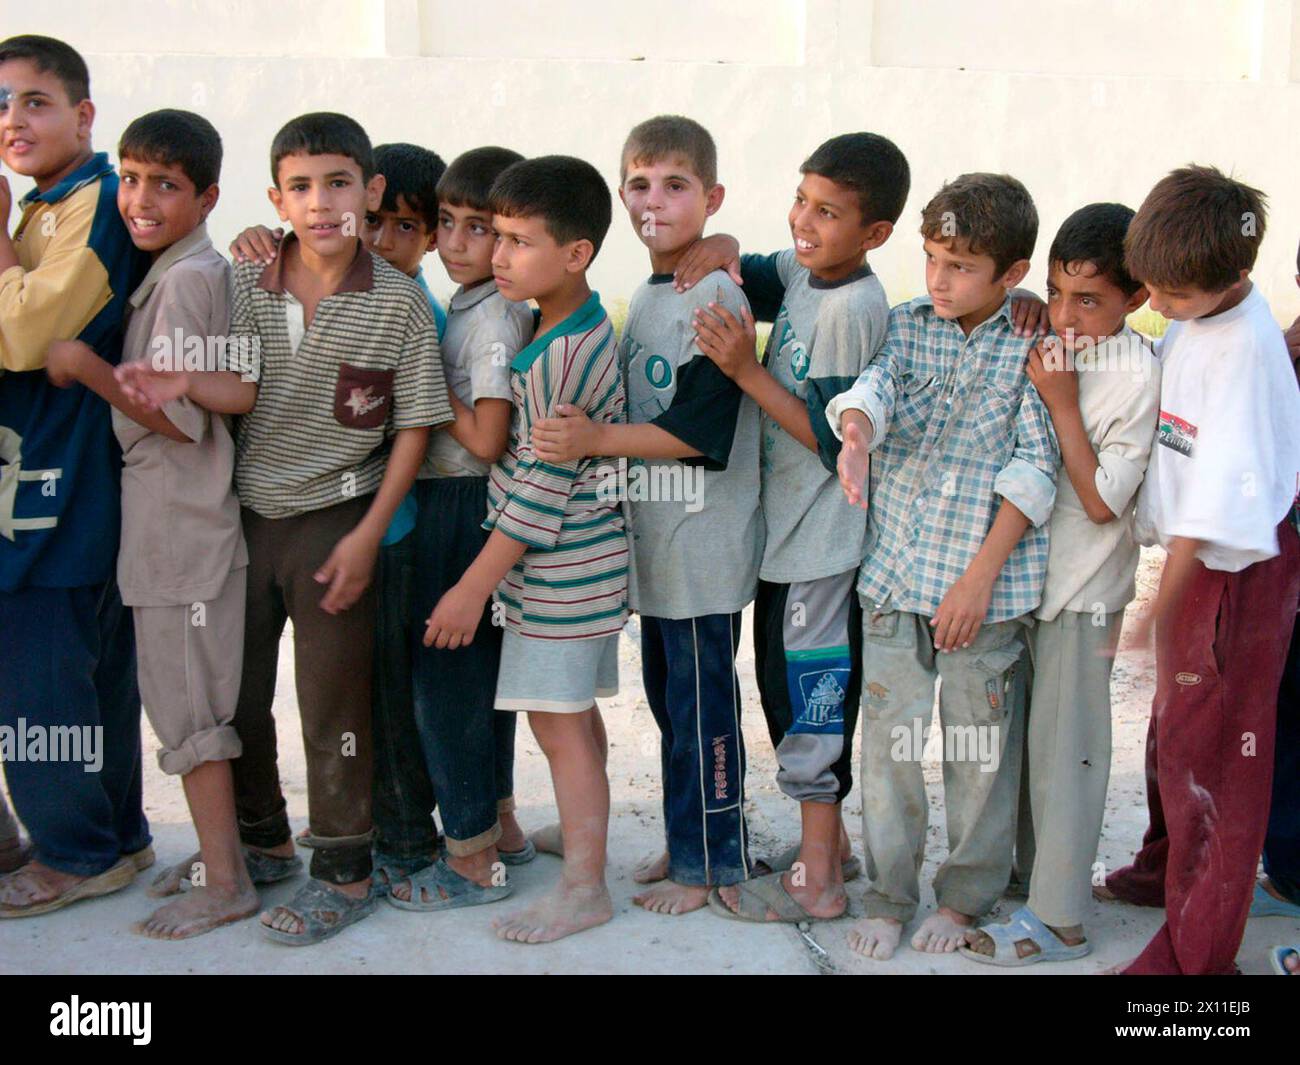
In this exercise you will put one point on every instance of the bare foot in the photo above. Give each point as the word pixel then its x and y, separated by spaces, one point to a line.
pixel 563 912
pixel 1102 893
pixel 1116 970
pixel 512 836
pixel 199 911
pixel 826 901
pixel 548 840
pixel 876 937
pixel 942 932
pixel 171 880
pixel 33 884
pixel 652 870
pixel 672 898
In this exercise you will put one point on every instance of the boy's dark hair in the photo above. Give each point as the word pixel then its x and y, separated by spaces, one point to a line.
pixel 666 135
pixel 992 213
pixel 1095 234
pixel 323 133
pixel 1197 227
pixel 869 164
pixel 467 182
pixel 412 173
pixel 568 194
pixel 175 138
pixel 51 56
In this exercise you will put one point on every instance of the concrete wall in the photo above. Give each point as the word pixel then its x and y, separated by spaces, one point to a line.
pixel 1083 100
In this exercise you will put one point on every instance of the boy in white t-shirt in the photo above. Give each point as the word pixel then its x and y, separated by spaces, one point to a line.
pixel 1220 485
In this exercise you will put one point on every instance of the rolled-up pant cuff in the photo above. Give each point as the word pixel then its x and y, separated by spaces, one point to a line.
pixel 218 744
pixel 874 905
pixel 341 859
pixel 464 848
pixel 269 832
pixel 694 876
pixel 506 805
pixel 967 902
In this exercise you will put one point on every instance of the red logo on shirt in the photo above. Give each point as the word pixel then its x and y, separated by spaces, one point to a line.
pixel 1176 434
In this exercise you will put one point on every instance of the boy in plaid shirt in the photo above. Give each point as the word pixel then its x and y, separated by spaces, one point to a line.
pixel 963 485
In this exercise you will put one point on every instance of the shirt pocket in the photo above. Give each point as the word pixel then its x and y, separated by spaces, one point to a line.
pixel 362 398
pixel 993 418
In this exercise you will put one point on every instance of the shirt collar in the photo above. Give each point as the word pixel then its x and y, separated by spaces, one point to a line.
pixel 1003 312
pixel 94 168
pixel 585 318
pixel 194 242
pixel 359 278
pixel 464 298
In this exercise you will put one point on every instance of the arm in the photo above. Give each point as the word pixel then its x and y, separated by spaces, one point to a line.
pixel 219 391
pixel 456 617
pixel 966 603
pixel 8 257
pixel 1174 578
pixel 348 569
pixel 72 361
pixel 482 429
pixel 574 436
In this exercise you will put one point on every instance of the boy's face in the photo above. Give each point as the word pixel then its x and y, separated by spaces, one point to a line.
pixel 962 283
pixel 1085 306
pixel 466 243
pixel 41 131
pixel 159 203
pixel 668 203
pixel 401 237
pixel 1187 302
pixel 528 263
pixel 325 200
pixel 830 235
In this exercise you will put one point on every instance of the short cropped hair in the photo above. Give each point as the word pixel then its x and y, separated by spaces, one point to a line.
pixel 668 135
pixel 175 138
pixel 467 182
pixel 568 194
pixel 412 173
pixel 869 164
pixel 323 133
pixel 1196 227
pixel 993 214
pixel 51 56
pixel 1095 234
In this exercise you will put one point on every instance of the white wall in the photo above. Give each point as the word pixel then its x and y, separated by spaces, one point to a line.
pixel 1083 100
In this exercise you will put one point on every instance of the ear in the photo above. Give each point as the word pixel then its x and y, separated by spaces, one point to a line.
pixel 277 201
pixel 1136 300
pixel 85 119
pixel 375 192
pixel 713 199
pixel 581 252
pixel 208 200
pixel 876 234
pixel 432 242
pixel 621 198
pixel 1015 274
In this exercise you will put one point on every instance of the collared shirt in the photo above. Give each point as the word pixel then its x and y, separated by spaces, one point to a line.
pixel 956 425
pixel 571 583
pixel 181 534
pixel 366 367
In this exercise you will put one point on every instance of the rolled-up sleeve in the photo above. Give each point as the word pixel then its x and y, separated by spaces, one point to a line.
pixel 873 394
pixel 1028 481
pixel 1124 450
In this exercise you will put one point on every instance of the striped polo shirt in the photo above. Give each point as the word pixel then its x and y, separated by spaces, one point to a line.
pixel 366 367
pixel 571 583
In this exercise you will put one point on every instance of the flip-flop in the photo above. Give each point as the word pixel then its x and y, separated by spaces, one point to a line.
pixel 112 879
pixel 323 912
pixel 1262 904
pixel 1024 926
pixel 523 856
pixel 460 891
pixel 850 868
pixel 1277 958
pixel 758 896
pixel 143 858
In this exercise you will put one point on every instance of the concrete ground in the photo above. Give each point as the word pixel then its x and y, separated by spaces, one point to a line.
pixel 94 937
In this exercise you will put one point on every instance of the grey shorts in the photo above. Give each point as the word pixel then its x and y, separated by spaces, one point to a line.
pixel 556 676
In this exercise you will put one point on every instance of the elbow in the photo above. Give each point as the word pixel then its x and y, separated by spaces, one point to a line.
pixel 1099 513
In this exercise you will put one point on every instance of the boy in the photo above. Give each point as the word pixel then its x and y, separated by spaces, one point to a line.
pixel 182 561
pixel 1101 386
pixel 349 363
pixel 69 655
pixel 468 747
pixel 829 312
pixel 557 553
pixel 691 428
pixel 1217 496
pixel 955 559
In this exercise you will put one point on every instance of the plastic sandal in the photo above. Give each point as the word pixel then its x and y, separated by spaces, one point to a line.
pixel 459 890
pixel 1024 925
pixel 323 912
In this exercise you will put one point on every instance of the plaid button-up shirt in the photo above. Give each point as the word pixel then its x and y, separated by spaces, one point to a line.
pixel 957 425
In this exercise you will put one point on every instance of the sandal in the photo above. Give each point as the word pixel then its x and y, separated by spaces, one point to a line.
pixel 1262 904
pixel 386 870
pixel 760 895
pixel 323 913
pixel 850 868
pixel 1024 927
pixel 112 879
pixel 522 856
pixel 439 880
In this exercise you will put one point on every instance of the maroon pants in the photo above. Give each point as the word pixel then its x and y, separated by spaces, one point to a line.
pixel 1209 761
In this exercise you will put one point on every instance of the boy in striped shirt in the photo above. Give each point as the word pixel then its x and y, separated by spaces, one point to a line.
pixel 557 555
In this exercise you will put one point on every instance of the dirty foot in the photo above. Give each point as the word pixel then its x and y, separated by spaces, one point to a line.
pixel 170 880
pixel 672 898
pixel 548 840
pixel 563 912
pixel 512 836
pixel 198 911
pixel 942 932
pixel 652 870
pixel 826 901
pixel 876 937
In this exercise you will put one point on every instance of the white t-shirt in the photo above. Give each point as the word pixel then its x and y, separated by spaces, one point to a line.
pixel 1226 462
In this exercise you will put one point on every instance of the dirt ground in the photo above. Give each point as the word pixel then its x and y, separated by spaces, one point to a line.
pixel 94 937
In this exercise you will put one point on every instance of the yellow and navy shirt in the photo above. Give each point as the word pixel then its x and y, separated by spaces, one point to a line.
pixel 59 461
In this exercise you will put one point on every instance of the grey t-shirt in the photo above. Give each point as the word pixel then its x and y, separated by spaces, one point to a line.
pixel 697 531
pixel 823 336
pixel 484 332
